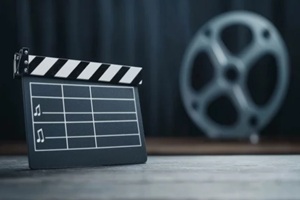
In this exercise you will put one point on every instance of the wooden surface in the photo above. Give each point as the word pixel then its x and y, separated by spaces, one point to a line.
pixel 200 146
pixel 191 146
pixel 163 177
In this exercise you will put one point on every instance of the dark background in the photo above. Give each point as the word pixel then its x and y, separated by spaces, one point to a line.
pixel 152 34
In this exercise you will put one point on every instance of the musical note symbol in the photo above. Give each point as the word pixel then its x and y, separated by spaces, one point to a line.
pixel 40 135
pixel 37 111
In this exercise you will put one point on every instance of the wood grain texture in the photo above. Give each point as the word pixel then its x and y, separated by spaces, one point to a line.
pixel 204 146
pixel 163 177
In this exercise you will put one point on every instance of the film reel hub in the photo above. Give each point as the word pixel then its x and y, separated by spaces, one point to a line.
pixel 231 73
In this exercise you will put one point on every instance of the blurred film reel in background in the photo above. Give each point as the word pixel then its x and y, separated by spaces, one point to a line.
pixel 234 75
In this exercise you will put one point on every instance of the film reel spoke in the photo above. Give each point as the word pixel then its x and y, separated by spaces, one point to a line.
pixel 199 100
pixel 251 54
pixel 249 114
pixel 210 92
pixel 220 54
pixel 240 99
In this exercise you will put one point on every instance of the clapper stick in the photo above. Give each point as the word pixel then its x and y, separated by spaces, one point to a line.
pixel 80 113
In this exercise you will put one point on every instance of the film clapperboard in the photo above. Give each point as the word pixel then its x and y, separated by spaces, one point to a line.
pixel 80 113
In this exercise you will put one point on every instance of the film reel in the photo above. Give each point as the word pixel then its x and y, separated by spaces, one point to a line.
pixel 231 74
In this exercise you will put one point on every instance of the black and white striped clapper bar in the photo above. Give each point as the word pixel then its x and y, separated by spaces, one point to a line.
pixel 80 113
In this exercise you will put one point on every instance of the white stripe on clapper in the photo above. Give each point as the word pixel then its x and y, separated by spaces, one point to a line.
pixel 44 66
pixel 66 70
pixel 130 75
pixel 110 73
pixel 87 73
pixel 30 58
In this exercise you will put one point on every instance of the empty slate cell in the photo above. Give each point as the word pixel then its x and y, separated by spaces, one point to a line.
pixel 114 117
pixel 49 117
pixel 112 92
pixel 52 144
pixel 80 129
pixel 45 90
pixel 77 105
pixel 45 106
pixel 113 105
pixel 51 130
pixel 79 117
pixel 76 91
pixel 111 128
pixel 88 142
pixel 118 141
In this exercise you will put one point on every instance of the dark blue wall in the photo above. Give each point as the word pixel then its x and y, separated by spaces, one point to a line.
pixel 152 34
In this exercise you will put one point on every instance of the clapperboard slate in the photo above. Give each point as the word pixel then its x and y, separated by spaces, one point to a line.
pixel 80 113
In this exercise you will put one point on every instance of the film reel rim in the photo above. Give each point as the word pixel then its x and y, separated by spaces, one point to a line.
pixel 193 49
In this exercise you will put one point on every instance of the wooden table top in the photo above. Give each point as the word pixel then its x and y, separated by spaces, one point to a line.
pixel 162 177
pixel 191 146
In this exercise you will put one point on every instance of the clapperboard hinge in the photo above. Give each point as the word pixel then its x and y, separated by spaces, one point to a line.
pixel 20 63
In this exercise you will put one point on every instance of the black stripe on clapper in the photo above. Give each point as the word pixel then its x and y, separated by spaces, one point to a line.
pixel 34 63
pixel 99 72
pixel 137 79
pixel 56 67
pixel 80 67
pixel 119 75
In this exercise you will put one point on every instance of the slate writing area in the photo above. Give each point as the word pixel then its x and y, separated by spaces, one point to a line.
pixel 82 117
